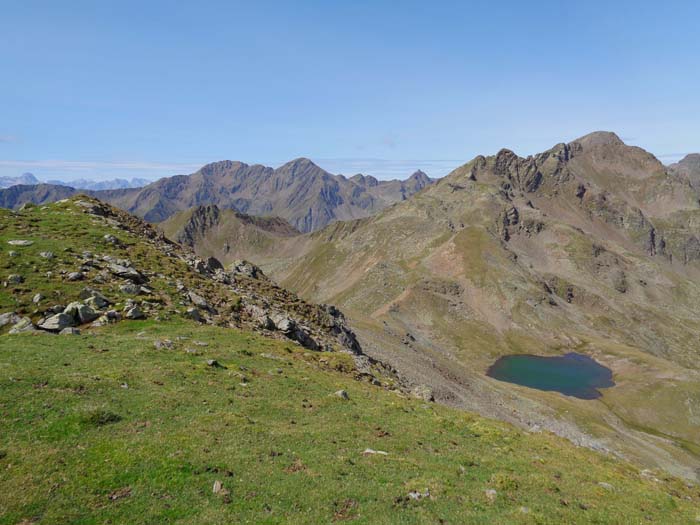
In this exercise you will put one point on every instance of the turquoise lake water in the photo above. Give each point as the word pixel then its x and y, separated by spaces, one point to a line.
pixel 571 374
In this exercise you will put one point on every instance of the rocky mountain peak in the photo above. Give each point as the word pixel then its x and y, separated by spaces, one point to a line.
pixel 301 165
pixel 364 180
pixel 221 167
pixel 692 160
pixel 421 176
pixel 600 138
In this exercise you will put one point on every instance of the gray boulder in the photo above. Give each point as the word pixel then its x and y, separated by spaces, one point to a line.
pixel 57 322
pixel 38 298
pixel 199 301
pixel 283 323
pixel 133 311
pixel 15 279
pixel 94 298
pixel 69 331
pixel 8 318
pixel 111 316
pixel 128 273
pixel 23 325
pixel 82 313
pixel 130 289
pixel 193 313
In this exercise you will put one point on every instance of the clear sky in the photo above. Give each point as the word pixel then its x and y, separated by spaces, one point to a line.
pixel 120 88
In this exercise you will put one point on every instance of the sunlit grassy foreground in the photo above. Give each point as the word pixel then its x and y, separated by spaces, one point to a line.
pixel 107 428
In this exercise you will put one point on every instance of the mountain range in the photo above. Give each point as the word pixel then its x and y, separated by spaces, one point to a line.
pixel 299 191
pixel 87 184
pixel 591 246
pixel 25 178
pixel 280 327
pixel 111 184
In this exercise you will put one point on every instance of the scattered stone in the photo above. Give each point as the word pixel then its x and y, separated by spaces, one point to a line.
pixel 57 322
pixel 110 316
pixel 283 323
pixel 82 313
pixel 213 264
pixel 417 496
pixel 13 253
pixel 214 363
pixel 15 279
pixel 217 487
pixel 130 289
pixel 56 309
pixel 245 268
pixel 423 392
pixel 94 298
pixel 46 255
pixel 75 276
pixel 23 325
pixel 648 474
pixel 69 331
pixel 162 344
pixel 125 272
pixel 491 495
pixel 20 242
pixel 371 452
pixel 38 298
pixel 199 301
pixel 9 318
pixel 111 239
pixel 193 313
pixel 133 312
pixel 342 394
pixel 606 486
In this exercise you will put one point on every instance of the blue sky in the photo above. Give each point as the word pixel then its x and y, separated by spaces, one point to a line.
pixel 148 89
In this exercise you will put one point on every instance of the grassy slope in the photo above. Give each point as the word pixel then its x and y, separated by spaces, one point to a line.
pixel 294 451
pixel 66 231
pixel 268 427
